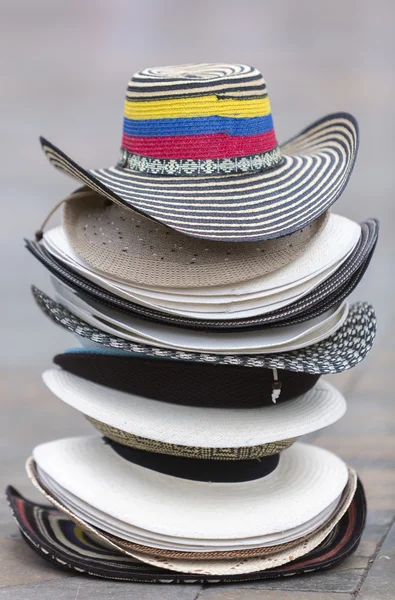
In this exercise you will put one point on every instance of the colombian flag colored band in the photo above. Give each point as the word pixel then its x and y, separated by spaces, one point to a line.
pixel 200 146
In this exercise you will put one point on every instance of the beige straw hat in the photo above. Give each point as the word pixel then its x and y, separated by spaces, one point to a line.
pixel 130 247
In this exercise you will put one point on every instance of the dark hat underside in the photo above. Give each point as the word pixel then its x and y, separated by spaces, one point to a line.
pixel 186 383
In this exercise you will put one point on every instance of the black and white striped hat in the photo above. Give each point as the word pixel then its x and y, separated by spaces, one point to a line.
pixel 199 153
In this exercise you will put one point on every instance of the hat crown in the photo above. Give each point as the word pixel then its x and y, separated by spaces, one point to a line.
pixel 198 119
pixel 215 72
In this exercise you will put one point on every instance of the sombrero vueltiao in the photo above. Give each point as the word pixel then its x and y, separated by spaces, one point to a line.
pixel 199 153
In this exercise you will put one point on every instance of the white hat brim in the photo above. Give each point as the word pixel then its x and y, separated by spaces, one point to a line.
pixel 306 481
pixel 199 426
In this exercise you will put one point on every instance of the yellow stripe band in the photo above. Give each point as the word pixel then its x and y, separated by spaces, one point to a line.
pixel 203 106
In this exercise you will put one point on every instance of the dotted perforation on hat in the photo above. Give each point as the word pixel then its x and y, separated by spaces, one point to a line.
pixel 330 292
pixel 130 247
pixel 347 347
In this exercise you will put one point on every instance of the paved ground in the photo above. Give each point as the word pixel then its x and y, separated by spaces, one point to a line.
pixel 65 65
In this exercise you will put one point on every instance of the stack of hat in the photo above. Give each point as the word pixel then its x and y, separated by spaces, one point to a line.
pixel 207 281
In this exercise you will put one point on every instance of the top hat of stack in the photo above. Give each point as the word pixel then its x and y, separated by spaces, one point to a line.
pixel 199 153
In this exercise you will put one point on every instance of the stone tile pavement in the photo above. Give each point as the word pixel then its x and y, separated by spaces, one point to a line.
pixel 64 67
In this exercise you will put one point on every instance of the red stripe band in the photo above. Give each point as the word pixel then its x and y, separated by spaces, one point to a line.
pixel 200 146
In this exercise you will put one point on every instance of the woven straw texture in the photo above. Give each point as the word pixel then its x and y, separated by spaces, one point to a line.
pixel 243 563
pixel 332 291
pixel 135 441
pixel 54 537
pixel 186 383
pixel 275 200
pixel 343 350
pixel 133 248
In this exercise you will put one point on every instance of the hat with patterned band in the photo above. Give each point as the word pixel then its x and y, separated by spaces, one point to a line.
pixel 198 432
pixel 67 545
pixel 339 352
pixel 200 154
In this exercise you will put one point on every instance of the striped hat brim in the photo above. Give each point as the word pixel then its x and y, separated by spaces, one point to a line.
pixel 316 166
pixel 339 352
pixel 57 539
pixel 330 292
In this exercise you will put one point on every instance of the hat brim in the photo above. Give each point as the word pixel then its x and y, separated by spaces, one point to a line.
pixel 141 331
pixel 55 537
pixel 330 292
pixel 339 352
pixel 238 432
pixel 316 166
pixel 107 484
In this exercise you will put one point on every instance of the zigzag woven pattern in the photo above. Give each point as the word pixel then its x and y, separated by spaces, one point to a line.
pixel 198 113
pixel 342 351
pixel 238 453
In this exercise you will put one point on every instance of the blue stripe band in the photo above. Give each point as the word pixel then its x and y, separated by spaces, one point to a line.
pixel 197 126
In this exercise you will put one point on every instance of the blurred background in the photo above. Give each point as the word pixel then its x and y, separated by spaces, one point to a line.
pixel 64 70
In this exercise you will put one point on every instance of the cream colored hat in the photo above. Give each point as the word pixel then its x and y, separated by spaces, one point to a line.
pixel 262 341
pixel 198 432
pixel 240 504
pixel 92 471
pixel 321 257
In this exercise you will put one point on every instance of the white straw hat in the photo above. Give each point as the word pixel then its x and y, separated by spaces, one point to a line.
pixel 260 341
pixel 341 351
pixel 305 482
pixel 222 433
pixel 262 563
pixel 251 561
pixel 162 545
